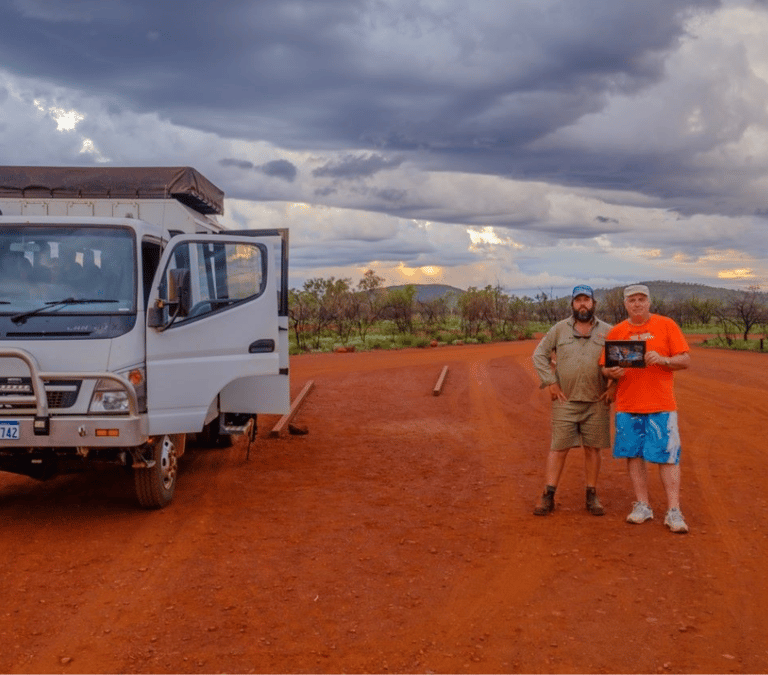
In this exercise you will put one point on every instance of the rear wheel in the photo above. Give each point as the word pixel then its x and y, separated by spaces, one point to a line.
pixel 155 485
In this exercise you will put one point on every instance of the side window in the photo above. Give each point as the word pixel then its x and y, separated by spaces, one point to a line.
pixel 206 277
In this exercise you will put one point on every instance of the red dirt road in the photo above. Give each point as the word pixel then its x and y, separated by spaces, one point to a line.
pixel 397 536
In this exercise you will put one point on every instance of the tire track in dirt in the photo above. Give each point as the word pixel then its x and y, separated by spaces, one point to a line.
pixel 54 516
pixel 398 536
pixel 507 580
pixel 699 392
pixel 106 625
pixel 717 494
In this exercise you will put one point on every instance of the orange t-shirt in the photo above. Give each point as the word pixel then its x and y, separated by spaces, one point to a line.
pixel 649 389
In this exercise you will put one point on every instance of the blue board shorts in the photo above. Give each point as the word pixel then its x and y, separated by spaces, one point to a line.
pixel 652 436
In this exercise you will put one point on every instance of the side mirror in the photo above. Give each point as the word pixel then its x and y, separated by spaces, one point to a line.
pixel 155 317
pixel 180 290
pixel 177 304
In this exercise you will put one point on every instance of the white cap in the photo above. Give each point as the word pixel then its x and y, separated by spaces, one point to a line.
pixel 636 288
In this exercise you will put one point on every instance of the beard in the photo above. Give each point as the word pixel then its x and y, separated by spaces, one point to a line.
pixel 584 315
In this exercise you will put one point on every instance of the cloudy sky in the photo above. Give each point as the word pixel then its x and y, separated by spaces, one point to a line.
pixel 533 144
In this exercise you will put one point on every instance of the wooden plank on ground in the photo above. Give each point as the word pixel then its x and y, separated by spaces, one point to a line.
pixel 440 380
pixel 285 419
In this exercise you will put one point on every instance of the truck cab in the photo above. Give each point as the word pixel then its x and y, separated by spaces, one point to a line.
pixel 130 320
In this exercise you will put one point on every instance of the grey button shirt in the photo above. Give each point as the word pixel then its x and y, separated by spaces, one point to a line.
pixel 576 356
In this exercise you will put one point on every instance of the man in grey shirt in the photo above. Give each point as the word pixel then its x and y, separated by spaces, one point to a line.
pixel 566 361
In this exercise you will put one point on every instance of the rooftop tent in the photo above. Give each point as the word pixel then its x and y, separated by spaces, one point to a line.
pixel 184 184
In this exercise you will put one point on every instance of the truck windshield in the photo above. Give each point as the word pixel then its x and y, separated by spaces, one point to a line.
pixel 92 267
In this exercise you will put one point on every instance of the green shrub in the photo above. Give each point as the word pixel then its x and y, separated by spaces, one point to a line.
pixel 721 342
pixel 383 335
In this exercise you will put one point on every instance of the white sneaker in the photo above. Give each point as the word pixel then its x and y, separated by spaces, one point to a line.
pixel 640 513
pixel 675 522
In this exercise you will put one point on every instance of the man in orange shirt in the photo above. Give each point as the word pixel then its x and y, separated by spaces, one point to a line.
pixel 646 410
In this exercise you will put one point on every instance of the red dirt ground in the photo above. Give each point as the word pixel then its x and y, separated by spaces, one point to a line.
pixel 397 536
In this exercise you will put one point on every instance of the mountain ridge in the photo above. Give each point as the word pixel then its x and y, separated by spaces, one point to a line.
pixel 668 291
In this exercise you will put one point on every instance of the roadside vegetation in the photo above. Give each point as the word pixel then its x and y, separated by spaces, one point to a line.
pixel 329 314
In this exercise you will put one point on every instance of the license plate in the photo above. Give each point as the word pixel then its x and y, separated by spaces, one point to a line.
pixel 9 431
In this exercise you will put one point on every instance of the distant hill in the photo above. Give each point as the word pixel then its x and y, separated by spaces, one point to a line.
pixel 668 291
pixel 671 291
pixel 428 292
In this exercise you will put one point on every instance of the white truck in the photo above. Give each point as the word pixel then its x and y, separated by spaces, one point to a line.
pixel 130 319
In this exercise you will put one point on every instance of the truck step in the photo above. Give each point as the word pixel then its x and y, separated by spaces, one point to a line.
pixel 234 430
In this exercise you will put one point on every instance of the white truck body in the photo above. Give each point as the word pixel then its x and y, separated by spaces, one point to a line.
pixel 130 319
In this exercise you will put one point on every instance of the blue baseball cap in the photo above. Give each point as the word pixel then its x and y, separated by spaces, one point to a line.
pixel 583 290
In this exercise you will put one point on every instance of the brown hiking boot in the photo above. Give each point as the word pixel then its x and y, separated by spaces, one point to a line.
pixel 545 505
pixel 593 503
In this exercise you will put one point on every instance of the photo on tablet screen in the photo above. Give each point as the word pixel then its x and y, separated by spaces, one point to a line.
pixel 625 353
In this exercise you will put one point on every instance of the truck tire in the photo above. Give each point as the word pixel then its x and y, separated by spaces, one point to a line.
pixel 155 485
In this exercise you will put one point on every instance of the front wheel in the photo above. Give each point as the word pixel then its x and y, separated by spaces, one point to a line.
pixel 155 485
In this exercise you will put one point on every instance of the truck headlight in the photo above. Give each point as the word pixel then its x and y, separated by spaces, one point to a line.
pixel 110 397
pixel 112 401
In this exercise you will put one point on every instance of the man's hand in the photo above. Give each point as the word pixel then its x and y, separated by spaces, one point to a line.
pixel 655 359
pixel 615 373
pixel 609 395
pixel 556 394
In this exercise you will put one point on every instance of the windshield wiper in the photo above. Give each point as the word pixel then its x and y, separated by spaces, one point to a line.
pixel 21 318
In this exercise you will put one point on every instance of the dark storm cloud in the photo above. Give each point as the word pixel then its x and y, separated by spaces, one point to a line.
pixel 325 192
pixel 451 86
pixel 390 195
pixel 346 252
pixel 236 163
pixel 452 78
pixel 280 168
pixel 608 116
pixel 352 166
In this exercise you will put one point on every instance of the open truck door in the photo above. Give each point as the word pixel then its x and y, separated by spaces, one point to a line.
pixel 217 330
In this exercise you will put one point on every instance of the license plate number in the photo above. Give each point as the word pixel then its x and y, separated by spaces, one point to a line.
pixel 9 431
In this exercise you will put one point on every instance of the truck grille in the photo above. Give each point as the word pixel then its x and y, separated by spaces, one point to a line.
pixel 60 394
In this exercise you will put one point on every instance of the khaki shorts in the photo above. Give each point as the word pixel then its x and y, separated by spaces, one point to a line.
pixel 576 423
